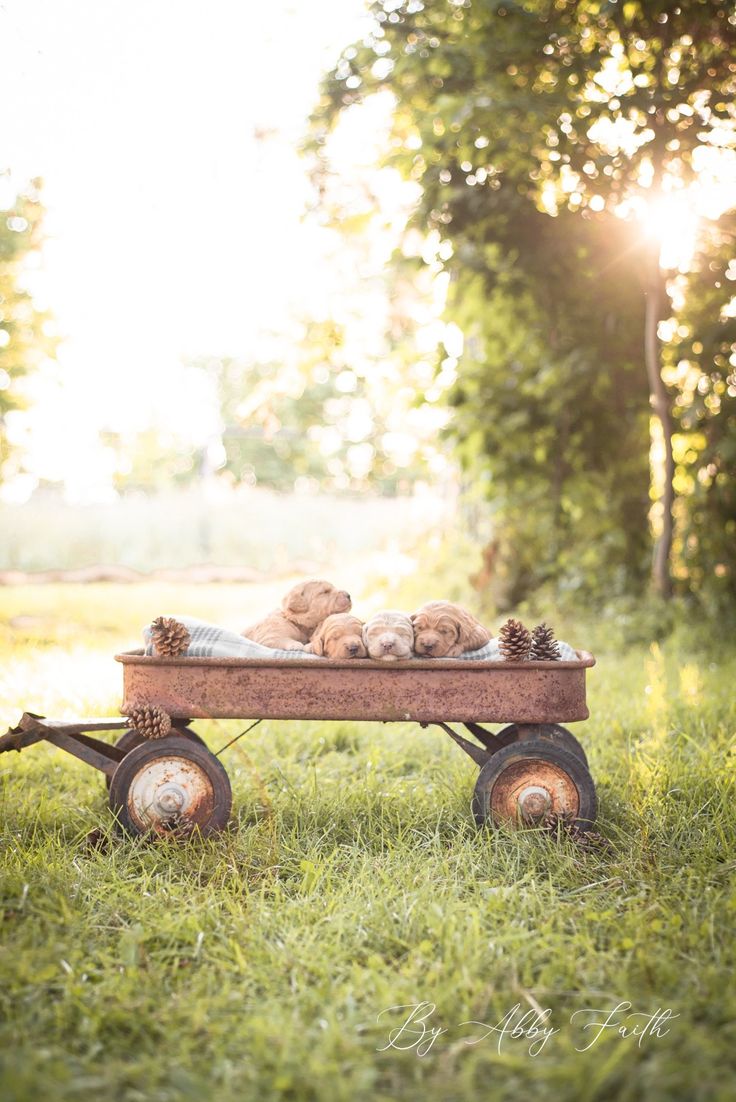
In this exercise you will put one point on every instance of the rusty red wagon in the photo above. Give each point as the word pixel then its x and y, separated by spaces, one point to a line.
pixel 532 769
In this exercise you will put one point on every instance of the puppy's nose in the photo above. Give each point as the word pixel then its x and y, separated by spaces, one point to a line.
pixel 428 647
pixel 387 646
pixel 353 649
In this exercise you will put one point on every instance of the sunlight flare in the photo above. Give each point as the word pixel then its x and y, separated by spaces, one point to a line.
pixel 673 220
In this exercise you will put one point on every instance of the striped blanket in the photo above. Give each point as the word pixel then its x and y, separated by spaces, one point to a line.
pixel 210 641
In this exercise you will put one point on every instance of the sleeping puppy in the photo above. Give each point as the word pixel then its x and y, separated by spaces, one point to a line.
pixel 339 636
pixel 302 611
pixel 445 630
pixel 389 636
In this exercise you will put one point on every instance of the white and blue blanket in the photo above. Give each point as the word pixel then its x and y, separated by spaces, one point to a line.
pixel 211 641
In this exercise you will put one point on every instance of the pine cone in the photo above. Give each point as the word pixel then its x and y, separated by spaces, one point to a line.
pixel 150 721
pixel 97 839
pixel 177 826
pixel 515 641
pixel 564 822
pixel 169 637
pixel 554 820
pixel 545 647
pixel 592 840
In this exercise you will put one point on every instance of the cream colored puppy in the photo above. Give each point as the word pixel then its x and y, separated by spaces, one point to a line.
pixel 445 630
pixel 302 611
pixel 339 636
pixel 389 636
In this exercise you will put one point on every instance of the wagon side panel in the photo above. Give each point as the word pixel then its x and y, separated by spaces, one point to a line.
pixel 290 691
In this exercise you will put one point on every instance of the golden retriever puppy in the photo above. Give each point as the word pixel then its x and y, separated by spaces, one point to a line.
pixel 389 636
pixel 445 630
pixel 302 611
pixel 339 636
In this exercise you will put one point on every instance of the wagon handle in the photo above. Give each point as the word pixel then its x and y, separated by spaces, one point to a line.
pixel 25 734
pixel 69 736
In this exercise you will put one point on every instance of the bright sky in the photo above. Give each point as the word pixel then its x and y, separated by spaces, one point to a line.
pixel 166 136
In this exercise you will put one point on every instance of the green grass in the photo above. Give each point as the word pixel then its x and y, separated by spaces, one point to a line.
pixel 255 965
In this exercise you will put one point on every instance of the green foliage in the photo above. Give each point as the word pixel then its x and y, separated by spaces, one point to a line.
pixel 550 402
pixel 506 115
pixel 313 422
pixel 272 416
pixel 24 339
pixel 255 965
pixel 702 359
pixel 152 461
pixel 516 88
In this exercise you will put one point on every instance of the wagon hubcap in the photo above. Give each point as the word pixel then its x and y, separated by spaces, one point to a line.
pixel 532 788
pixel 534 801
pixel 170 799
pixel 169 789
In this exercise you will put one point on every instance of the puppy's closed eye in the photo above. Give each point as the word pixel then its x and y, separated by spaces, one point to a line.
pixel 446 630
pixel 339 636
pixel 388 636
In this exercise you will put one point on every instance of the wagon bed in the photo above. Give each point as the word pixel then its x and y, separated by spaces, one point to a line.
pixel 422 690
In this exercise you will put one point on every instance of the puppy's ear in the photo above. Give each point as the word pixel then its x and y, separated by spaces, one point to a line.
pixel 472 633
pixel 317 643
pixel 295 601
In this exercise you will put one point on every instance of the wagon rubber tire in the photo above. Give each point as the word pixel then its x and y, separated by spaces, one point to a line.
pixel 559 736
pixel 172 787
pixel 533 778
pixel 130 739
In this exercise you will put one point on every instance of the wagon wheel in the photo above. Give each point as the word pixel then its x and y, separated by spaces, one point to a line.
pixel 171 786
pixel 130 739
pixel 559 736
pixel 532 779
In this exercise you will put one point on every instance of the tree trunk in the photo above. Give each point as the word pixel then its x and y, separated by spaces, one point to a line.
pixel 655 294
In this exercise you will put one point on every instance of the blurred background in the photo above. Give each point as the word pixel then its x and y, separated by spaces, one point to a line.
pixel 434 298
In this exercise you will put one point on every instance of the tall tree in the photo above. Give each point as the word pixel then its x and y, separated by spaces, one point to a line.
pixel 24 339
pixel 581 105
pixel 551 395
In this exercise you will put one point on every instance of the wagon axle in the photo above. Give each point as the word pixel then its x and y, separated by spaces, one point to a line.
pixel 175 784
